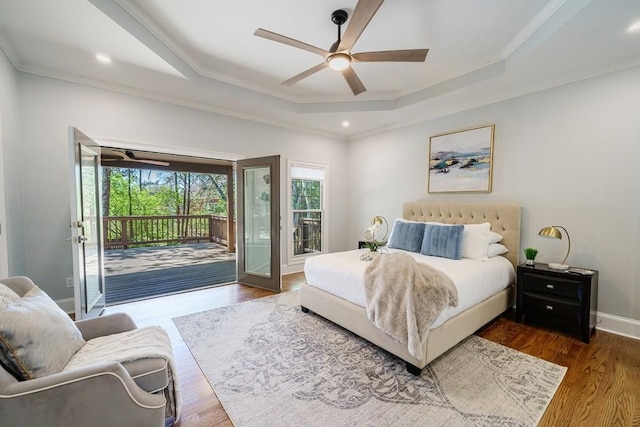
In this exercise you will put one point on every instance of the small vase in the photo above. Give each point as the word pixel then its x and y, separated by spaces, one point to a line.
pixel 530 262
pixel 368 256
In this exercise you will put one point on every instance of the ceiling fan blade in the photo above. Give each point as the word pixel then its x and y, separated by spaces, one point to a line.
pixel 353 81
pixel 128 156
pixel 362 14
pixel 305 74
pixel 408 55
pixel 151 162
pixel 260 32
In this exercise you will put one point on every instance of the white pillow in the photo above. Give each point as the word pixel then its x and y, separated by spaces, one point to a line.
pixel 496 249
pixel 7 295
pixel 475 241
pixel 37 338
pixel 494 237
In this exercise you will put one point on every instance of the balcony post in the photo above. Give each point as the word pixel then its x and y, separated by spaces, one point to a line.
pixel 124 234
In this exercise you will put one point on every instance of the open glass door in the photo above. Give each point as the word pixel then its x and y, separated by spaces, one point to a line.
pixel 86 226
pixel 258 222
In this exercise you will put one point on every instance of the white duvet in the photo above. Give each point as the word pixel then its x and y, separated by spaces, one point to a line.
pixel 342 274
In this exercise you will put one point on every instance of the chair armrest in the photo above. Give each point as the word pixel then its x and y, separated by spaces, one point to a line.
pixel 97 395
pixel 105 325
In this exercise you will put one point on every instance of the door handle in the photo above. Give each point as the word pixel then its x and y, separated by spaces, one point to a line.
pixel 79 239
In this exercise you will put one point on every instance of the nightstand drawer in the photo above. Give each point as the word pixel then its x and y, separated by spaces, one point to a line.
pixel 561 309
pixel 556 286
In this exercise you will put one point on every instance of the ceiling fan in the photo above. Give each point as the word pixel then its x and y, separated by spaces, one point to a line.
pixel 128 156
pixel 339 56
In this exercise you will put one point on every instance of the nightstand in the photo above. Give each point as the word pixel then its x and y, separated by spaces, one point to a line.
pixel 557 299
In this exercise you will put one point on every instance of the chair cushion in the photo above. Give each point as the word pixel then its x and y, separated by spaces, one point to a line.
pixel 37 338
pixel 143 352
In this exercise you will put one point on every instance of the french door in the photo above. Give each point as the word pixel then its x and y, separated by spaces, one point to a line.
pixel 258 222
pixel 86 226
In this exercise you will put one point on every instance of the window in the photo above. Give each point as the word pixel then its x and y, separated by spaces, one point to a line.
pixel 307 203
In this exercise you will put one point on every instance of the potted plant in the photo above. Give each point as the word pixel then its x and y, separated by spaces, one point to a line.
pixel 530 254
pixel 373 246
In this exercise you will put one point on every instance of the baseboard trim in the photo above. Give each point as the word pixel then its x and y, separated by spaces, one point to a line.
pixel 67 304
pixel 619 325
pixel 292 268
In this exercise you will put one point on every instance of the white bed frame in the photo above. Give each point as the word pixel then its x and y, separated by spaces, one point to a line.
pixel 504 219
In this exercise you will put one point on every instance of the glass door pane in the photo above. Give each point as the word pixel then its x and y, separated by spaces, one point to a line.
pixel 257 226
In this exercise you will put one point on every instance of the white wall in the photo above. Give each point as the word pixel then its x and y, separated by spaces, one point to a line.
pixel 11 263
pixel 568 155
pixel 48 106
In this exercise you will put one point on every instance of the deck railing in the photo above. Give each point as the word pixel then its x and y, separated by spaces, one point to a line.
pixel 307 232
pixel 127 231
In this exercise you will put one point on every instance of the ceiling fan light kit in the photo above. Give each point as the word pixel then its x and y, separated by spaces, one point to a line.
pixel 339 61
pixel 339 56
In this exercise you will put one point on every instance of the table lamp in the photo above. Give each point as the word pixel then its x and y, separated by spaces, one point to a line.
pixel 553 232
pixel 376 222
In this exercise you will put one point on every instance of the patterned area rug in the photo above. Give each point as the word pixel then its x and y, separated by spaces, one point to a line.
pixel 272 365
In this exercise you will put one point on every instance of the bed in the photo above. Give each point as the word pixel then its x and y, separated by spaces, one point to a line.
pixel 347 311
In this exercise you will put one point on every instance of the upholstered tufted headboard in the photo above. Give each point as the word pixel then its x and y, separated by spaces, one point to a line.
pixel 503 217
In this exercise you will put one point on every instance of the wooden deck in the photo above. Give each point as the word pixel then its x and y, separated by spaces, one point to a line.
pixel 140 273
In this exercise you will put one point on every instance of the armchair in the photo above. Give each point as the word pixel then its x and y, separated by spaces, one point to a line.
pixel 90 390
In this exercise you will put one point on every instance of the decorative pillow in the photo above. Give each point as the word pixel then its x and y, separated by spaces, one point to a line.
pixel 397 220
pixel 442 241
pixel 475 240
pixel 496 249
pixel 7 295
pixel 407 235
pixel 37 338
pixel 494 237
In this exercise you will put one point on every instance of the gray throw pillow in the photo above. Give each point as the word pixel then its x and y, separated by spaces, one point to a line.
pixel 407 236
pixel 443 241
pixel 37 338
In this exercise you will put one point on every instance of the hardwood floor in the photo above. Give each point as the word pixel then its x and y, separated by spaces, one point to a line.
pixel 601 387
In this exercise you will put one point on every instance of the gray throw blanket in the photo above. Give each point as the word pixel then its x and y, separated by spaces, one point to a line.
pixel 404 298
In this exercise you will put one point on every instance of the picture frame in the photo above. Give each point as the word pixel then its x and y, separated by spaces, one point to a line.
pixel 461 161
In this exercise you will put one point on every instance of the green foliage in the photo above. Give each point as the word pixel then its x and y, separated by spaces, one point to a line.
pixel 530 253
pixel 306 194
pixel 374 245
pixel 136 192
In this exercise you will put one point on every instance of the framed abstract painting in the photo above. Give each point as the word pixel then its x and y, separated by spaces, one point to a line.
pixel 461 161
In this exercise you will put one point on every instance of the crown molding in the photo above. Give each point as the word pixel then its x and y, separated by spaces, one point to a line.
pixel 173 100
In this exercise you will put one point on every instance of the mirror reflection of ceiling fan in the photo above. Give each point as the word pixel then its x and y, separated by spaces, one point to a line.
pixel 339 56
pixel 128 156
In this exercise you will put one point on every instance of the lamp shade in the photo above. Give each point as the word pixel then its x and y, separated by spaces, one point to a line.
pixel 553 232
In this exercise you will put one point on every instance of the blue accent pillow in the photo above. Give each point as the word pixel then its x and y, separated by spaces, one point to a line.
pixel 443 241
pixel 407 236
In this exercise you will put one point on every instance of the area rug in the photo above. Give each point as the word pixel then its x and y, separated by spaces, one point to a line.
pixel 270 364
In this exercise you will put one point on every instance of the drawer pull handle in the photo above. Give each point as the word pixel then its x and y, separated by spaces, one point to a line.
pixel 549 286
pixel 549 307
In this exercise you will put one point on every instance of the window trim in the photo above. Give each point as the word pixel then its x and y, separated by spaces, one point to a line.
pixel 300 259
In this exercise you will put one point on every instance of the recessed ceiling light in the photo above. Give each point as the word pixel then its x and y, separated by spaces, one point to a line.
pixel 345 124
pixel 635 27
pixel 103 58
